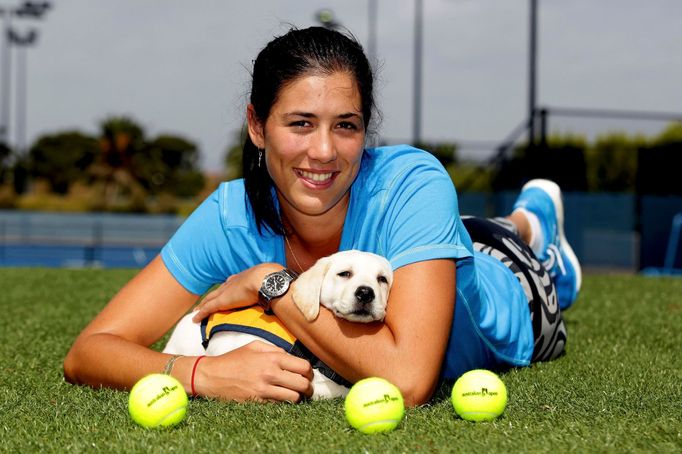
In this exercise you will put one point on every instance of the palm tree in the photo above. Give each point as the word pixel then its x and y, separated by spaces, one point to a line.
pixel 121 138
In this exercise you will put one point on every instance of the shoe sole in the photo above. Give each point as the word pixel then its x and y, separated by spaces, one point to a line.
pixel 554 191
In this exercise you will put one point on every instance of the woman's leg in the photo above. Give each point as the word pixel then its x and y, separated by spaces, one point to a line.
pixel 496 238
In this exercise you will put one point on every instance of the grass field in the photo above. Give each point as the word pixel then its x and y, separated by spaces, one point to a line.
pixel 618 389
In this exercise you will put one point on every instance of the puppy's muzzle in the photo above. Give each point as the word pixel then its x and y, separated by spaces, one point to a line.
pixel 364 294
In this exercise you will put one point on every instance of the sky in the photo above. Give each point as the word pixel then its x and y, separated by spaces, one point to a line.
pixel 182 67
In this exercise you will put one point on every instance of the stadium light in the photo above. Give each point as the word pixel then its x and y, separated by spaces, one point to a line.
pixel 33 9
pixel 22 41
pixel 29 10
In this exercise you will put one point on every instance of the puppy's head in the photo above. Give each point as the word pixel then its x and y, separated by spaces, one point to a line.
pixel 354 285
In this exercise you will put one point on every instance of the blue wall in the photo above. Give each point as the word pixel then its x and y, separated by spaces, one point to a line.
pixel 82 239
pixel 606 230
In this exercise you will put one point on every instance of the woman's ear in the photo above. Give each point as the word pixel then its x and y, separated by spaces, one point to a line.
pixel 255 127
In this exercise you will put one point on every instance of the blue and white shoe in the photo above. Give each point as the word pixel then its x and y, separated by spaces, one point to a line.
pixel 543 198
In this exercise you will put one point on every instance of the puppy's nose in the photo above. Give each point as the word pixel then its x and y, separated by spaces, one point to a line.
pixel 364 294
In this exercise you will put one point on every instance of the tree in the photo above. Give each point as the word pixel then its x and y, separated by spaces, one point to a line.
pixel 233 156
pixel 659 163
pixel 445 152
pixel 112 172
pixel 129 167
pixel 5 152
pixel 62 158
pixel 121 138
pixel 560 159
pixel 671 134
pixel 169 164
pixel 612 162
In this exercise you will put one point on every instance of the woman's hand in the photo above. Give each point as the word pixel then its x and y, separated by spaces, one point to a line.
pixel 239 290
pixel 256 371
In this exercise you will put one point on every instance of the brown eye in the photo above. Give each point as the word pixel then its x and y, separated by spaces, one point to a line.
pixel 347 125
pixel 382 280
pixel 345 274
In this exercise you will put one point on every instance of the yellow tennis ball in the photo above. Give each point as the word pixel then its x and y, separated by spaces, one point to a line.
pixel 479 395
pixel 157 400
pixel 374 405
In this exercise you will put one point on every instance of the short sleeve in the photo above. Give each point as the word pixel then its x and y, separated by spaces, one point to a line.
pixel 192 254
pixel 422 215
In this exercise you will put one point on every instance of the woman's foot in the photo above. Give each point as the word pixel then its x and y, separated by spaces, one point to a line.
pixel 543 199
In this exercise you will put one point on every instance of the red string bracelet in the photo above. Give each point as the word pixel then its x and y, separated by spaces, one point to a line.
pixel 194 369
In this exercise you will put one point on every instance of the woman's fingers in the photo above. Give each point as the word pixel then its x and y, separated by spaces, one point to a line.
pixel 285 360
pixel 264 373
pixel 239 290
pixel 298 366
pixel 291 388
pixel 288 386
pixel 199 314
pixel 203 310
pixel 214 301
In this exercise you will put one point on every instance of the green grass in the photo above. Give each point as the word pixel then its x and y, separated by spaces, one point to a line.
pixel 617 389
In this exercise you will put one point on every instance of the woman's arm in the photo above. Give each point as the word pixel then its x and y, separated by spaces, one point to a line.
pixel 113 350
pixel 407 349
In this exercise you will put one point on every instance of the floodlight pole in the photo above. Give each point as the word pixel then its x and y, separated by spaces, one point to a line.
pixel 372 31
pixel 28 9
pixel 372 139
pixel 6 74
pixel 532 71
pixel 417 93
pixel 22 42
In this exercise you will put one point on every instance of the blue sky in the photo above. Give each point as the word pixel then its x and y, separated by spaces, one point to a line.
pixel 182 67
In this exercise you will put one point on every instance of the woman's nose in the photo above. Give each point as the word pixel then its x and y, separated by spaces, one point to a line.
pixel 322 148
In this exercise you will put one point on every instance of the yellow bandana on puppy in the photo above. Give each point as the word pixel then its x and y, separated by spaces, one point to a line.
pixel 251 320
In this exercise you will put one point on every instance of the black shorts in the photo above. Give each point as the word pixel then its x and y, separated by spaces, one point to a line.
pixel 494 237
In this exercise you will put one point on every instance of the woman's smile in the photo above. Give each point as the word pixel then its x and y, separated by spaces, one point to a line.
pixel 316 179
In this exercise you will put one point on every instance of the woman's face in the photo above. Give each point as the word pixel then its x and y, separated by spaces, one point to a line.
pixel 313 141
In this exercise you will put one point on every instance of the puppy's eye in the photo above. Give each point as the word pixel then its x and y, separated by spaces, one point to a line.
pixel 345 274
pixel 382 280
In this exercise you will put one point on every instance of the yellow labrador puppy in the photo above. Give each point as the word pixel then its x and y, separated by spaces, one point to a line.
pixel 354 285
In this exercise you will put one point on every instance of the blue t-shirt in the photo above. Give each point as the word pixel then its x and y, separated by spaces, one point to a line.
pixel 402 206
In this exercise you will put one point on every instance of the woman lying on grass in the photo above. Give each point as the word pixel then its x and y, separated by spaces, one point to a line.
pixel 467 293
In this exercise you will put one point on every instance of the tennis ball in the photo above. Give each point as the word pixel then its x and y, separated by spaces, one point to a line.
pixel 374 405
pixel 157 400
pixel 479 395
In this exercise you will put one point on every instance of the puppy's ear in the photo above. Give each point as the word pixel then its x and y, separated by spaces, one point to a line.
pixel 308 287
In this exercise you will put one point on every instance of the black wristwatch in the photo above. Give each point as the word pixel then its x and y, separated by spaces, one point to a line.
pixel 274 285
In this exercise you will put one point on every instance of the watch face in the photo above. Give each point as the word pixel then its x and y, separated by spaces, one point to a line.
pixel 276 284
